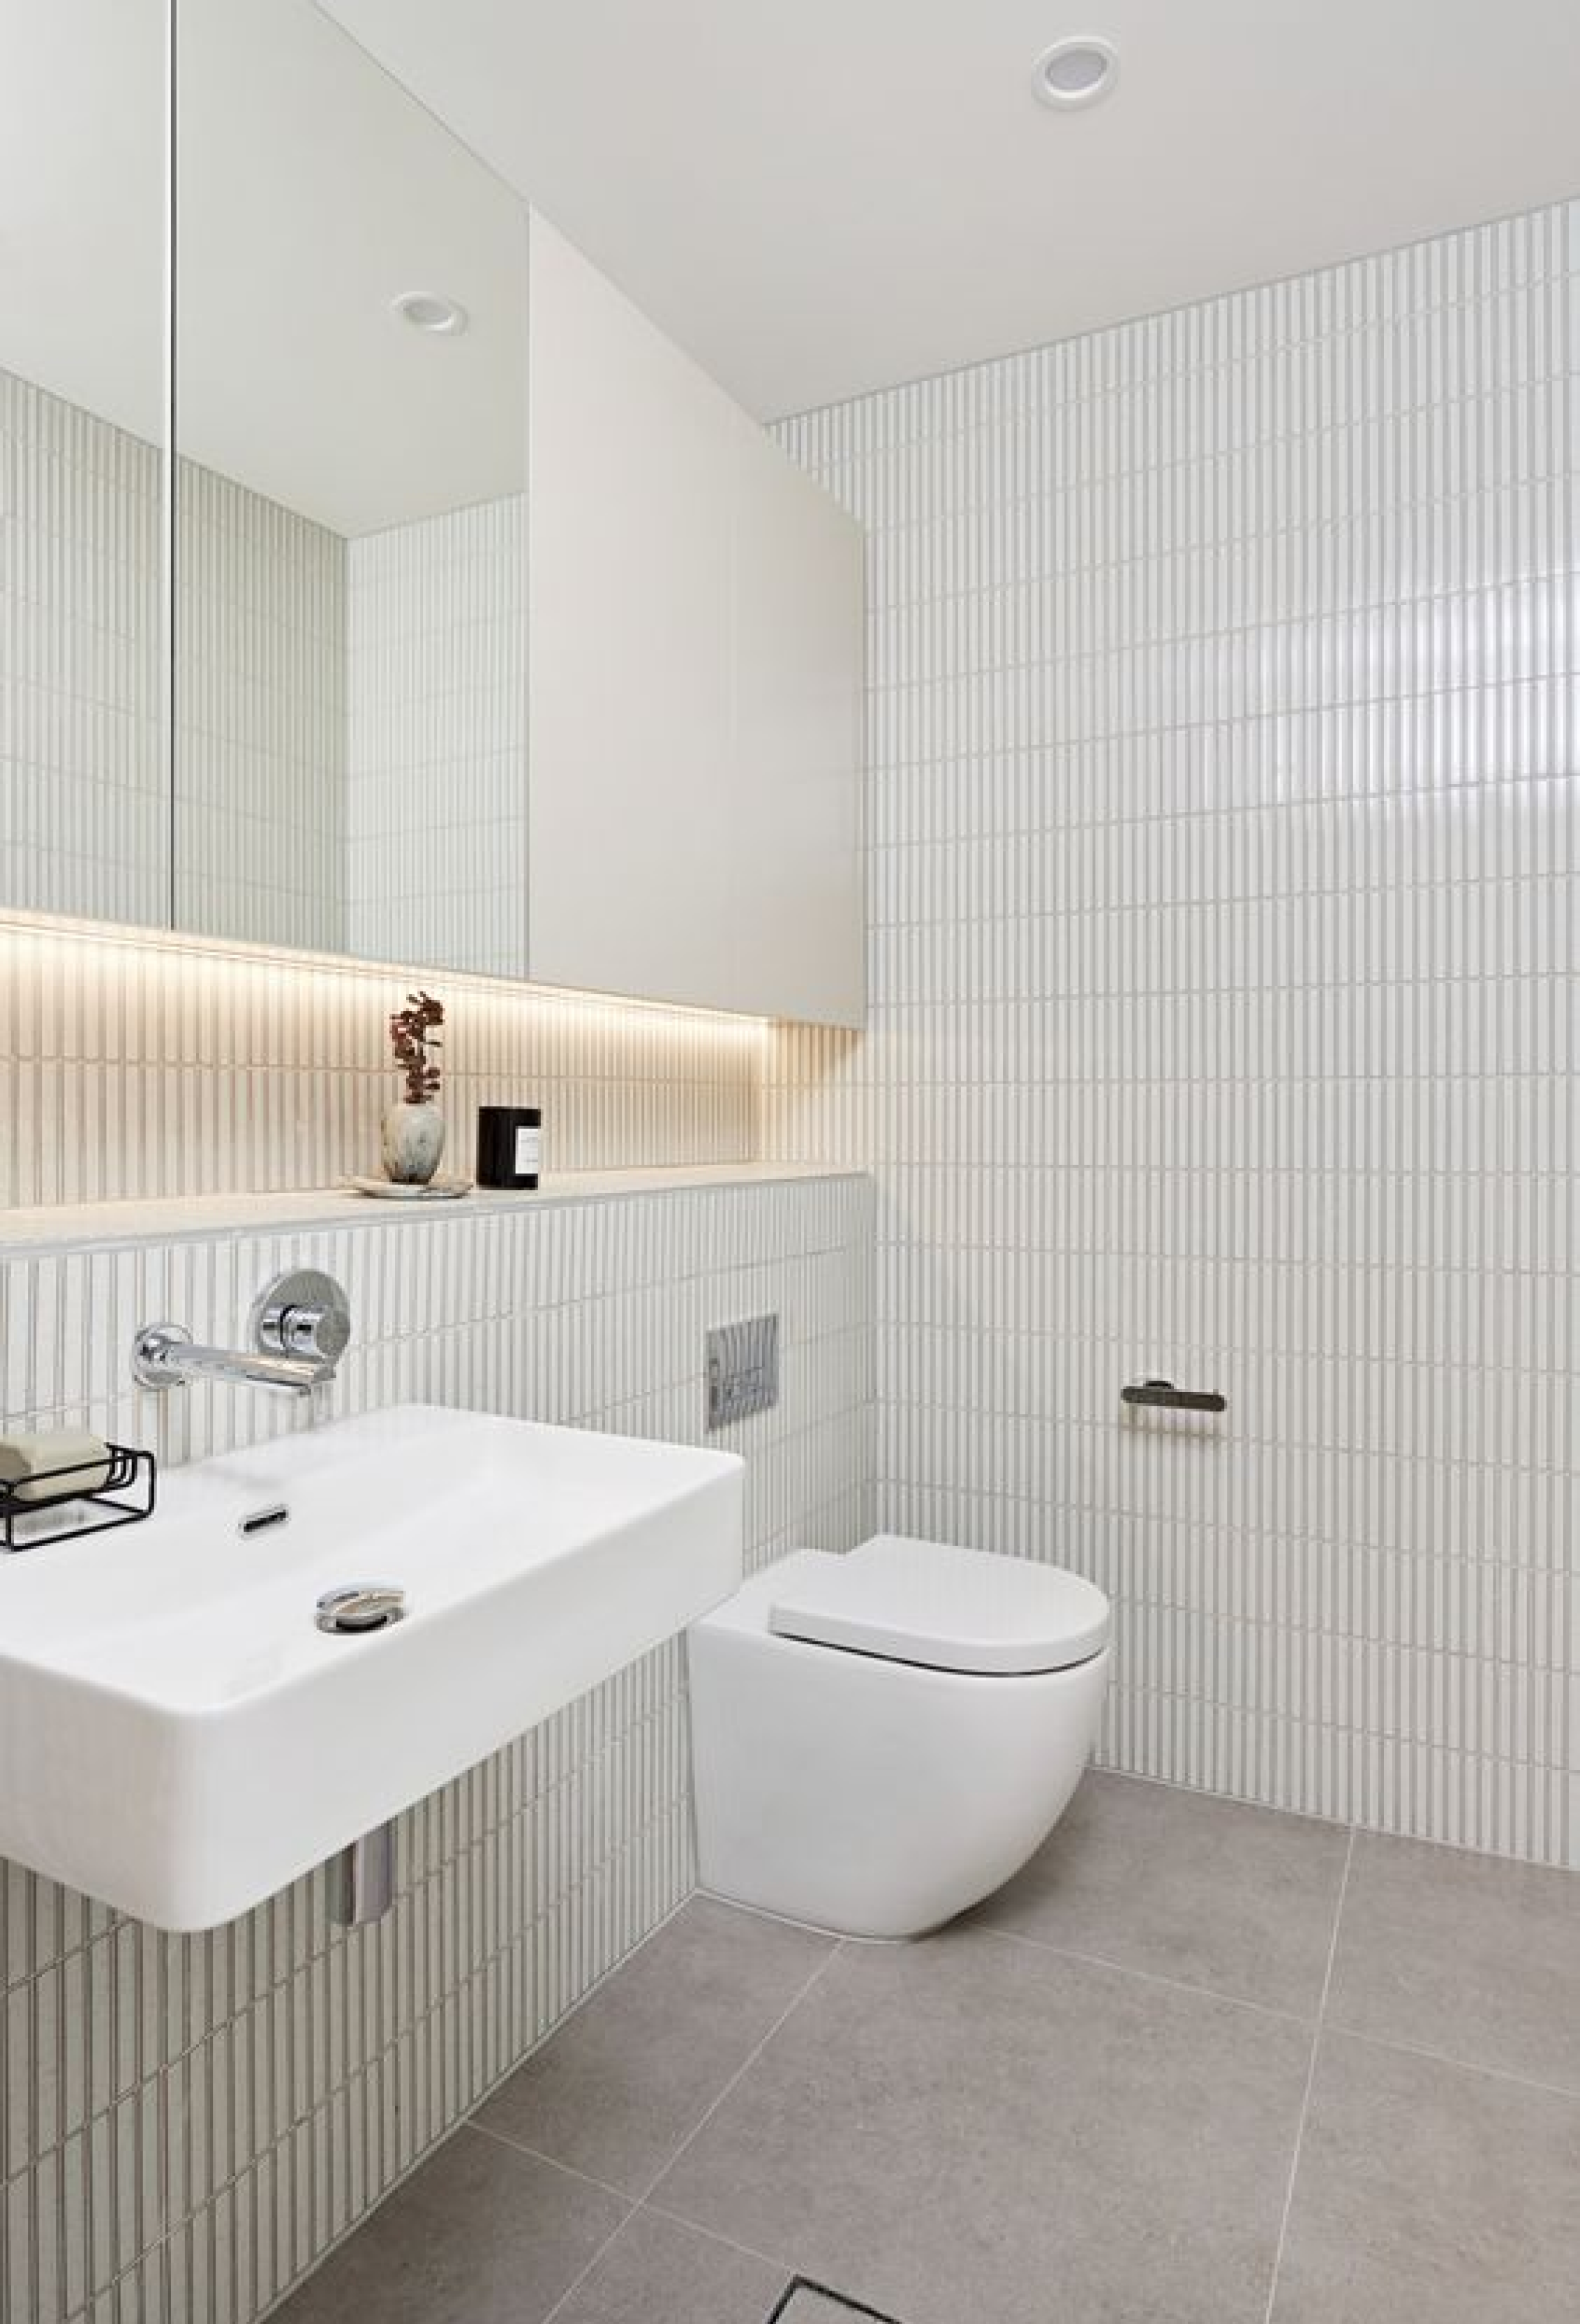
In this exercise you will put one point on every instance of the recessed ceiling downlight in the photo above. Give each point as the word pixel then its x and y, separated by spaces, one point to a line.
pixel 430 311
pixel 1076 71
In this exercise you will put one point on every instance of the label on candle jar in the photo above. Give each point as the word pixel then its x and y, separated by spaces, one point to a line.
pixel 529 1146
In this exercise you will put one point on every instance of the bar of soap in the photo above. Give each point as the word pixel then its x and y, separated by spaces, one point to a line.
pixel 24 1454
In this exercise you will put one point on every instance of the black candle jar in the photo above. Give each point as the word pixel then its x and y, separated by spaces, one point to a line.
pixel 509 1141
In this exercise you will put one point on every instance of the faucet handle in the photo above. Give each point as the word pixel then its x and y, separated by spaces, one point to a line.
pixel 304 1313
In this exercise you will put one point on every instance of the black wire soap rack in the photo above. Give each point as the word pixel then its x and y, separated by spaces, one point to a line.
pixel 32 1515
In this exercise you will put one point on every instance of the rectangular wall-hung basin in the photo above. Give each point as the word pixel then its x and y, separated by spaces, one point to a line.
pixel 179 1738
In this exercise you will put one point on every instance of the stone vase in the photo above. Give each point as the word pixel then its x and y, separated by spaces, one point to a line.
pixel 413 1141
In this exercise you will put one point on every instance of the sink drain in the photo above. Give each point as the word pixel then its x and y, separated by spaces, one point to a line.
pixel 357 1606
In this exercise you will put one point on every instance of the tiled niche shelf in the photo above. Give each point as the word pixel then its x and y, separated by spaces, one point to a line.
pixel 70 1226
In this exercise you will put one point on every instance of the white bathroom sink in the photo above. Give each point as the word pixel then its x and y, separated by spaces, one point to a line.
pixel 178 1736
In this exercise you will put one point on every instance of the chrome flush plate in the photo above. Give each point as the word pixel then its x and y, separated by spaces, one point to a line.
pixel 742 1370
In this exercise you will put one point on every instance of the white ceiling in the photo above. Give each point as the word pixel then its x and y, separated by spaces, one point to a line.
pixel 818 197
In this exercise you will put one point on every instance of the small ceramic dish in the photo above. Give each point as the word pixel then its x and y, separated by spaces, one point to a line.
pixel 386 1190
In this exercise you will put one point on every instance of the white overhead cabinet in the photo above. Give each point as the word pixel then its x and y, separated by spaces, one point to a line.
pixel 696 682
pixel 798 912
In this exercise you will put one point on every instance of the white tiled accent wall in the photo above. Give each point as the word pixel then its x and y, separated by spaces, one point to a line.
pixel 437 702
pixel 131 1068
pixel 84 787
pixel 261 718
pixel 187 2123
pixel 1225 855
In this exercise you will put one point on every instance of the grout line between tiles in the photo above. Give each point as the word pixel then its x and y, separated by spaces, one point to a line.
pixel 574 2285
pixel 536 2154
pixel 832 1955
pixel 1338 1914
pixel 641 2202
pixel 288 2289
pixel 712 2236
pixel 1461 2065
pixel 1147 1976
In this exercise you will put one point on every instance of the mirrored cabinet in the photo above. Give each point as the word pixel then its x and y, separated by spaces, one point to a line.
pixel 351 415
pixel 85 792
pixel 379 581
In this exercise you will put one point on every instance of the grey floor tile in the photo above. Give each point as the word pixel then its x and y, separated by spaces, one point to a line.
pixel 479 2234
pixel 615 2091
pixel 971 2126
pixel 658 2271
pixel 1239 1900
pixel 1467 1955
pixel 1430 2193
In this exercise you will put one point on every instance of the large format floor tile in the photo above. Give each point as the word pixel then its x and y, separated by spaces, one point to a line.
pixel 633 2071
pixel 1019 2128
pixel 1239 1900
pixel 1430 2193
pixel 479 2234
pixel 657 2272
pixel 1475 1959
pixel 975 2126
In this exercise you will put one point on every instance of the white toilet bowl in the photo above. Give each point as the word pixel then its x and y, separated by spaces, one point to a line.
pixel 881 1740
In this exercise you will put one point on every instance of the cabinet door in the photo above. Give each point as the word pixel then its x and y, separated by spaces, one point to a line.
pixel 85 774
pixel 797 936
pixel 630 522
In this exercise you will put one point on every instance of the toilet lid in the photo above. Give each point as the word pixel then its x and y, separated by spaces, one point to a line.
pixel 954 1609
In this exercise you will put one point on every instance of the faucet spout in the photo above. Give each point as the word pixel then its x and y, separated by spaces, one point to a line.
pixel 164 1354
pixel 300 1327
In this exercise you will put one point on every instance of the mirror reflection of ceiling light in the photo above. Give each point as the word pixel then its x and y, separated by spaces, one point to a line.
pixel 430 311
pixel 1076 71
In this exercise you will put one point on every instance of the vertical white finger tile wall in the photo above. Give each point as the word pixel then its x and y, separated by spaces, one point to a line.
pixel 84 782
pixel 1225 876
pixel 186 2123
pixel 436 800
pixel 258 829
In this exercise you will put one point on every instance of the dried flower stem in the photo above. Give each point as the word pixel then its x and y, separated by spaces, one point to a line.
pixel 412 1038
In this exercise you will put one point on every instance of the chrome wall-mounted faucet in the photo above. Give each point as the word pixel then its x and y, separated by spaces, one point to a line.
pixel 297 1333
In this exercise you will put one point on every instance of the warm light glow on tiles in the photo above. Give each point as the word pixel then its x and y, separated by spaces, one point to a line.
pixel 213 949
pixel 140 1063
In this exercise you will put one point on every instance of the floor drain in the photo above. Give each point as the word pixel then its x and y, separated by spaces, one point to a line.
pixel 805 2302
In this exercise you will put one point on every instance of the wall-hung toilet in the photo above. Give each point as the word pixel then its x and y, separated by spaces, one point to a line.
pixel 880 1739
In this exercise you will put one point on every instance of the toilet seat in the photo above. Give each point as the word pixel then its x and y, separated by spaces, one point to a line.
pixel 926 1603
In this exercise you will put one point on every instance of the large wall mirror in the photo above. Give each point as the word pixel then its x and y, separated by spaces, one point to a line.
pixel 350 542
pixel 345 708
pixel 84 803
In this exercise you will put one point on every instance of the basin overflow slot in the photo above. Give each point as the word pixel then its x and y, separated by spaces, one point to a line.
pixel 264 1520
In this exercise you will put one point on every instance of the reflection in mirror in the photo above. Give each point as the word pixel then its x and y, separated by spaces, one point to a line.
pixel 84 768
pixel 350 549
